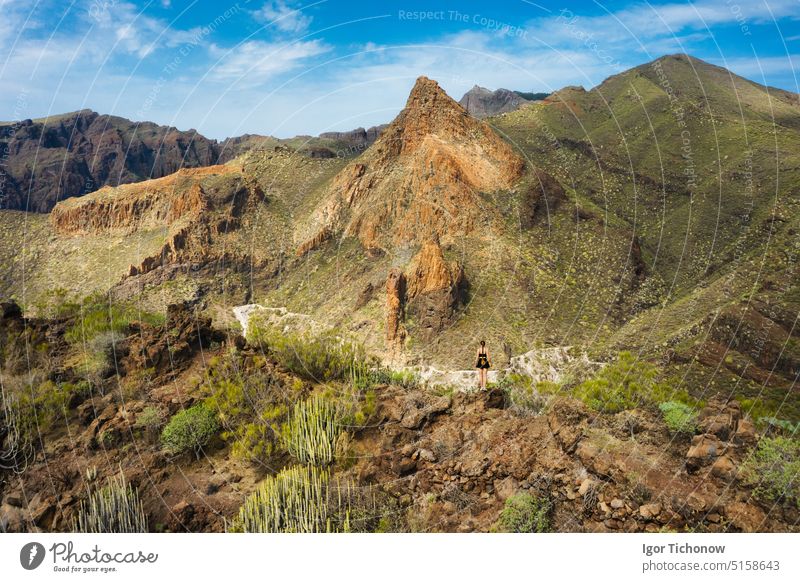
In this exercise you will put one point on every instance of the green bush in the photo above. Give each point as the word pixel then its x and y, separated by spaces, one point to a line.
pixel 190 430
pixel 403 378
pixel 524 396
pixel 115 508
pixel 627 383
pixel 251 405
pixel 773 469
pixel 311 431
pixel 150 420
pixel 679 417
pixel 96 315
pixel 319 358
pixel 525 513
pixel 780 425
pixel 26 411
pixel 297 500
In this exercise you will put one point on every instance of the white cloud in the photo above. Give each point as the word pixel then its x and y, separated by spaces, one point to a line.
pixel 284 17
pixel 255 62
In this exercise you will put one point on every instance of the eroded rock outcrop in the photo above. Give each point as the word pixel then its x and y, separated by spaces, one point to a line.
pixel 130 207
pixel 429 289
pixel 395 304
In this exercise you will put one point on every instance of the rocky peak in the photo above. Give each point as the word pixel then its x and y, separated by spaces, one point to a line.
pixel 481 102
pixel 419 181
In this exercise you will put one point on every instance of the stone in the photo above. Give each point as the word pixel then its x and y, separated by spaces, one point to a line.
pixel 724 468
pixel 14 500
pixel 617 503
pixel 12 519
pixel 395 306
pixel 745 434
pixel 427 455
pixel 586 485
pixel 405 466
pixel 704 450
pixel 718 424
pixel 496 398
pixel 506 488
pixel 650 510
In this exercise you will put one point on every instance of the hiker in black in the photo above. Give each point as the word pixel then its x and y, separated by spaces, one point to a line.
pixel 483 365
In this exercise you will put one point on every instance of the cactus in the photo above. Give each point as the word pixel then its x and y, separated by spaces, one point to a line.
pixel 15 434
pixel 311 431
pixel 298 500
pixel 115 508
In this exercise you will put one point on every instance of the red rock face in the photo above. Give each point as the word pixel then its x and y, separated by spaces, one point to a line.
pixel 192 216
pixel 133 206
pixel 395 301
pixel 420 180
pixel 429 289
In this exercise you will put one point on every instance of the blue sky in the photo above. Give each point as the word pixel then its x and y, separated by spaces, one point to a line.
pixel 285 68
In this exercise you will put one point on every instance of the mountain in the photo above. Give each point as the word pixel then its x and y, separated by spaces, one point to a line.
pixel 481 103
pixel 666 242
pixel 68 155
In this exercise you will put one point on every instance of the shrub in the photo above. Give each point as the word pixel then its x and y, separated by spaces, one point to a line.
pixel 190 430
pixel 115 508
pixel 403 378
pixel 18 434
pixel 299 500
pixel 311 432
pixel 97 315
pixel 525 513
pixel 679 417
pixel 773 469
pixel 780 425
pixel 320 358
pixel 757 408
pixel 626 383
pixel 251 406
pixel 525 397
pixel 150 419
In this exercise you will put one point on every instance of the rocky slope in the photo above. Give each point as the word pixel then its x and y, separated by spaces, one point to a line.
pixel 703 165
pixel 481 102
pixel 436 462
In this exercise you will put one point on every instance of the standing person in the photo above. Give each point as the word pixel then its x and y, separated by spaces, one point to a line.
pixel 483 364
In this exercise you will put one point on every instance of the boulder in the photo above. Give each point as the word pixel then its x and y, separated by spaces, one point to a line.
pixel 724 468
pixel 745 434
pixel 704 450
pixel 650 511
